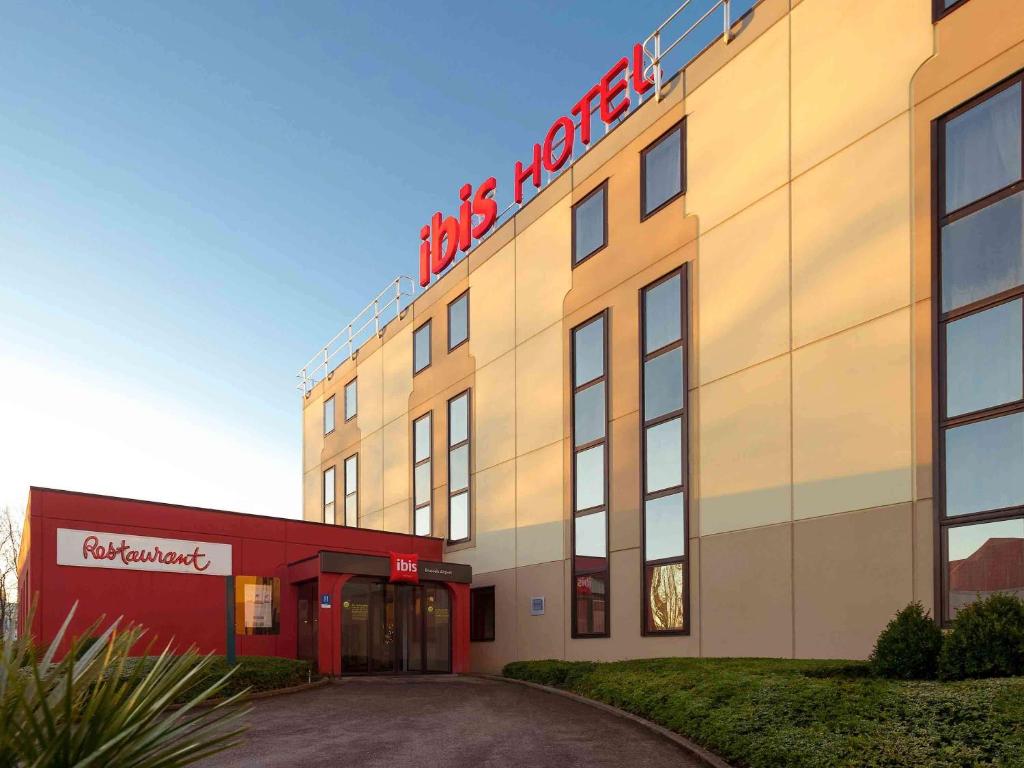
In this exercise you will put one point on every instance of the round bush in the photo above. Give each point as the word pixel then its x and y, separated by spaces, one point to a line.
pixel 986 640
pixel 909 647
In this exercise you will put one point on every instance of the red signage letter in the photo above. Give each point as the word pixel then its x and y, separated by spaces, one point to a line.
pixel 640 83
pixel 448 229
pixel 484 205
pixel 582 109
pixel 522 174
pixel 569 131
pixel 609 90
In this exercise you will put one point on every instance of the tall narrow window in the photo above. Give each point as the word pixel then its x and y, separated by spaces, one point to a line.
pixel 663 451
pixel 980 333
pixel 590 478
pixel 458 468
pixel 351 399
pixel 663 170
pixel 481 614
pixel 352 490
pixel 329 415
pixel 329 496
pixel 421 348
pixel 458 321
pixel 422 475
pixel 590 224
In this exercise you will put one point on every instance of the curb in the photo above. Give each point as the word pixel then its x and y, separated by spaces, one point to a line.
pixel 264 694
pixel 695 750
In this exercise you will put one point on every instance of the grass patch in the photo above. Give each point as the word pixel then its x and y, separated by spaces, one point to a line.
pixel 771 713
pixel 257 673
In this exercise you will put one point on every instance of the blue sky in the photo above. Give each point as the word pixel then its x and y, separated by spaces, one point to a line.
pixel 195 196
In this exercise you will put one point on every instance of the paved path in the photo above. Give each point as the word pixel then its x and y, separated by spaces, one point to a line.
pixel 447 722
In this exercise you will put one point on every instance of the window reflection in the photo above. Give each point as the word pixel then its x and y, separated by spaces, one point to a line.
pixel 590 414
pixel 984 559
pixel 985 465
pixel 664 455
pixel 663 384
pixel 665 597
pixel 591 603
pixel 590 478
pixel 662 318
pixel 984 359
pixel 588 348
pixel 663 170
pixel 983 149
pixel 664 527
pixel 983 253
pixel 588 220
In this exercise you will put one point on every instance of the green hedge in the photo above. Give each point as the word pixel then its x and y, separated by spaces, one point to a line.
pixel 807 714
pixel 257 673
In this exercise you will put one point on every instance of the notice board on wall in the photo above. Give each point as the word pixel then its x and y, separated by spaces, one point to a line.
pixel 257 605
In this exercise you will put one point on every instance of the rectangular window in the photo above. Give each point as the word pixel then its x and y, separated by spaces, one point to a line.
pixel 458 321
pixel 590 611
pixel 481 614
pixel 980 342
pixel 422 474
pixel 942 8
pixel 351 399
pixel 590 224
pixel 329 496
pixel 352 490
pixel 329 415
pixel 459 468
pixel 421 348
pixel 663 451
pixel 663 170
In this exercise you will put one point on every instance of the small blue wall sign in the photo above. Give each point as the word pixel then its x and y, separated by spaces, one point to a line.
pixel 325 600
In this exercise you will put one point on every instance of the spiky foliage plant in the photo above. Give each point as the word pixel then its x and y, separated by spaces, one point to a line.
pixel 100 705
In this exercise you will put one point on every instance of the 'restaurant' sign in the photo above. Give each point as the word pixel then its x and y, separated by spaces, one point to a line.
pixel 445 235
pixel 102 549
pixel 405 568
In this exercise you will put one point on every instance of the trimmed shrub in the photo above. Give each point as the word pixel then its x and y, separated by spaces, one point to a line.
pixel 909 646
pixel 986 640
pixel 558 674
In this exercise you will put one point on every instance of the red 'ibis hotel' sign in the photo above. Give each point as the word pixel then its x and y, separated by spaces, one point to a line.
pixel 405 568
pixel 444 235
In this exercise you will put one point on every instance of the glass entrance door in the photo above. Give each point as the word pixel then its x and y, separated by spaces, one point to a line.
pixel 394 628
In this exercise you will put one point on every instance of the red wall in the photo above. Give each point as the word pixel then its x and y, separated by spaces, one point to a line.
pixel 191 608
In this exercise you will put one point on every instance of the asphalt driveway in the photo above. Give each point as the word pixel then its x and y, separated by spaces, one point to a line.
pixel 441 721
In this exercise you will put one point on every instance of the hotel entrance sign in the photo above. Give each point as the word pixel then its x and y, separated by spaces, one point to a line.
pixel 609 97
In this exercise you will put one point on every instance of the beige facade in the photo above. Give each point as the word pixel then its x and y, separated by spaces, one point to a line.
pixel 807 228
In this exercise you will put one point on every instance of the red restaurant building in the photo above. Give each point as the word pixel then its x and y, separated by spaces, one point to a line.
pixel 350 600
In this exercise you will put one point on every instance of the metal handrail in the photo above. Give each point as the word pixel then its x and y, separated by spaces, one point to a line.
pixel 659 53
pixel 403 287
pixel 385 307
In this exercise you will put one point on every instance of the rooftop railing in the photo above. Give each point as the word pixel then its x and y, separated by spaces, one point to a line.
pixel 659 46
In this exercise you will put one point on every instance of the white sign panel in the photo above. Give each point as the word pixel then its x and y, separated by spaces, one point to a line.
pixel 536 606
pixel 99 549
pixel 259 603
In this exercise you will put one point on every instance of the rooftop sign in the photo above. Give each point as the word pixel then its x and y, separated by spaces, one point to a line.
pixel 445 235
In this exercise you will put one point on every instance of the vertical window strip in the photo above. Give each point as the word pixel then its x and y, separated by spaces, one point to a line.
pixel 460 469
pixel 589 426
pixel 663 450
pixel 979 341
pixel 422 474
pixel 329 496
pixel 352 491
pixel 351 399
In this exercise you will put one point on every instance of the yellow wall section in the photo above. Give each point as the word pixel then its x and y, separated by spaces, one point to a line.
pixel 851 419
pixel 369 393
pixel 851 235
pixel 492 306
pixel 539 518
pixel 745 449
pixel 852 66
pixel 745 321
pixel 737 130
pixel 542 273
